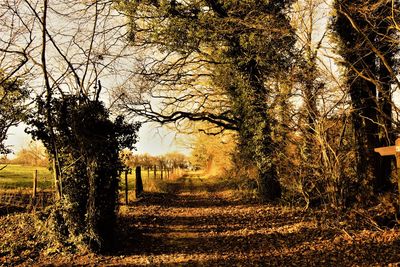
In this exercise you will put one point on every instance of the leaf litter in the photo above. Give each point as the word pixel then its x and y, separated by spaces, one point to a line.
pixel 195 227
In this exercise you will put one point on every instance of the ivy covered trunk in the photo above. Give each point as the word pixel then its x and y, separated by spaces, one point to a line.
pixel 88 145
pixel 257 148
pixel 250 98
pixel 268 183
pixel 369 57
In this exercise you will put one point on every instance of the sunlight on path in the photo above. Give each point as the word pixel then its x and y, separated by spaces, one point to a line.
pixel 197 224
pixel 194 226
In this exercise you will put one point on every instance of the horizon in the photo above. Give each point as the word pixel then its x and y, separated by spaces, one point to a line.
pixel 156 141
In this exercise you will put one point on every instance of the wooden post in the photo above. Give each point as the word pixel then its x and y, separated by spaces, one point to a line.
pixel 139 182
pixel 126 187
pixel 397 144
pixel 167 173
pixel 161 171
pixel 392 151
pixel 155 171
pixel 35 180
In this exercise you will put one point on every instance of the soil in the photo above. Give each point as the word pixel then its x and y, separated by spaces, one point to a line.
pixel 193 225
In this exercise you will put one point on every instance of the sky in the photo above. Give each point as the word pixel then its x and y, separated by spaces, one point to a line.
pixel 153 140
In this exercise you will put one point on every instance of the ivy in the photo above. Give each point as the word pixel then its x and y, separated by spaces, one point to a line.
pixel 88 144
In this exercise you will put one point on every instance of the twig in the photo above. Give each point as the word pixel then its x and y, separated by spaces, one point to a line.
pixel 347 234
pixel 371 221
pixel 2 168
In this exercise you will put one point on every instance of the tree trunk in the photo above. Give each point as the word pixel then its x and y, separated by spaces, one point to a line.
pixel 367 49
pixel 255 131
pixel 386 137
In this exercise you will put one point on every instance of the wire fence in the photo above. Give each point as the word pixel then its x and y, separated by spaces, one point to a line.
pixel 25 188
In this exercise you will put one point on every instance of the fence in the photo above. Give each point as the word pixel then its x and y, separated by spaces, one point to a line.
pixel 25 187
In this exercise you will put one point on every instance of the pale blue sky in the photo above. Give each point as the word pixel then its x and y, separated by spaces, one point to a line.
pixel 152 139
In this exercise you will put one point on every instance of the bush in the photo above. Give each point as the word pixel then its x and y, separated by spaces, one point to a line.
pixel 85 146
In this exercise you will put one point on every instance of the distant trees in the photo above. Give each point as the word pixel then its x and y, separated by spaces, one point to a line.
pixel 213 154
pixel 167 164
pixel 34 155
pixel 175 160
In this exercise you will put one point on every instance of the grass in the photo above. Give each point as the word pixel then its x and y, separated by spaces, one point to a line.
pixel 19 176
pixel 149 183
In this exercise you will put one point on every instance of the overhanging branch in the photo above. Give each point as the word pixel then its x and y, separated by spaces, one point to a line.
pixel 224 120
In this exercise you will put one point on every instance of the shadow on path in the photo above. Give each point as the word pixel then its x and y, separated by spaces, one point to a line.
pixel 192 227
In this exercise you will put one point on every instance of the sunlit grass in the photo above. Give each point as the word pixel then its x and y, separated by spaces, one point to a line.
pixel 19 176
pixel 151 183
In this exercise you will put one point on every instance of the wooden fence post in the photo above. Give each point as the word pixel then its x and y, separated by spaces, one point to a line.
pixel 392 151
pixel 35 180
pixel 139 182
pixel 155 171
pixel 126 187
pixel 397 154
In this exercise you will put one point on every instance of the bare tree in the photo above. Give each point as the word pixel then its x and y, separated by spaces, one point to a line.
pixel 15 42
pixel 70 48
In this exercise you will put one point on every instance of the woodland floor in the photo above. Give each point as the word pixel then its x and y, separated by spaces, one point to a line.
pixel 200 224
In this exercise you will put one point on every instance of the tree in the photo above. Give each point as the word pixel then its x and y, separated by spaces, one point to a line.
pixel 67 48
pixel 13 59
pixel 309 164
pixel 306 18
pixel 365 41
pixel 89 143
pixel 216 62
pixel 80 44
pixel 213 154
pixel 12 107
pixel 34 155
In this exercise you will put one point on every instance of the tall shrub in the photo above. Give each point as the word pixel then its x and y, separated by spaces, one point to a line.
pixel 88 144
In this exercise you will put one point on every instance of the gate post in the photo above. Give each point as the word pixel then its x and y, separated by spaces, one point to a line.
pixel 392 151
pixel 139 182
pixel 397 143
pixel 126 187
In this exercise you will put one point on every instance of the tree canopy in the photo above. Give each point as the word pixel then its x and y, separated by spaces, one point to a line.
pixel 13 107
pixel 216 61
pixel 303 100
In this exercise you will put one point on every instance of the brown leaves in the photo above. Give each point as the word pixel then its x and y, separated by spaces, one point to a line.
pixel 204 229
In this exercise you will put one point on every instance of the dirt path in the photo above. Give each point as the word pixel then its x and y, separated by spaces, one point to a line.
pixel 195 227
pixel 198 225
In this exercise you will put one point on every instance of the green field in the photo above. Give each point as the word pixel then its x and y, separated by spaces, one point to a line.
pixel 19 176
